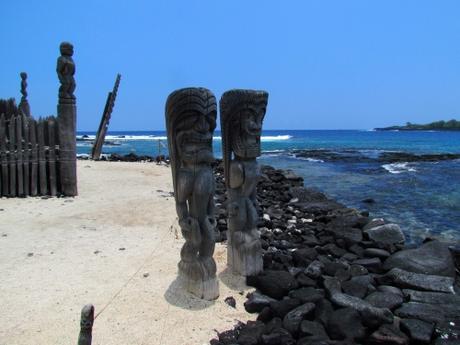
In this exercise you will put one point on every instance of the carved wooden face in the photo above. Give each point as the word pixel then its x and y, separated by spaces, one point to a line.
pixel 194 138
pixel 87 317
pixel 246 139
pixel 66 49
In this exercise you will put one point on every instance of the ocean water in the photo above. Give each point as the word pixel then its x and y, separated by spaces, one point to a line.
pixel 422 197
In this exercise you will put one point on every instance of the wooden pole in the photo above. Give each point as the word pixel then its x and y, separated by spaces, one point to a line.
pixel 67 149
pixel 3 158
pixel 12 155
pixel 41 157
pixel 105 120
pixel 33 158
pixel 67 121
pixel 19 167
pixel 26 154
pixel 52 156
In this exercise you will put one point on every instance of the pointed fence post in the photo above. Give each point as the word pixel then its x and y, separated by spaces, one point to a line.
pixel 33 158
pixel 52 156
pixel 19 167
pixel 42 158
pixel 12 155
pixel 26 155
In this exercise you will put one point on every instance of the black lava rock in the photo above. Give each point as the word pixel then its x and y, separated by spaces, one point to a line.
pixel 275 284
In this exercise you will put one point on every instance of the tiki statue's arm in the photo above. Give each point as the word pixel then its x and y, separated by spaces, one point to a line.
pixel 236 174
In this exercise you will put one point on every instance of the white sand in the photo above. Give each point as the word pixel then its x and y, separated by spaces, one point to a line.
pixel 58 254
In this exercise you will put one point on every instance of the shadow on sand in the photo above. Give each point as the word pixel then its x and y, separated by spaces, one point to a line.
pixel 232 281
pixel 177 295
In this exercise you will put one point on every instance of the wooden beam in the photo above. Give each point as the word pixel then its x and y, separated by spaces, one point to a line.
pixel 105 120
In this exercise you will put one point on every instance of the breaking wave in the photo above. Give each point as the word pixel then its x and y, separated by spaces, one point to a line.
pixel 161 137
pixel 398 168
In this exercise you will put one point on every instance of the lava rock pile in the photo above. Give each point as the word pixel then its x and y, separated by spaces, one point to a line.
pixel 332 275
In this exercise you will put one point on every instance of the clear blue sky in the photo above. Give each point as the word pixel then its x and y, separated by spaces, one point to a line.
pixel 326 64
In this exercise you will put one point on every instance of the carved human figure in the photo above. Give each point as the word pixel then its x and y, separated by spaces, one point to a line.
pixel 23 85
pixel 241 115
pixel 191 120
pixel 86 325
pixel 66 69
pixel 24 107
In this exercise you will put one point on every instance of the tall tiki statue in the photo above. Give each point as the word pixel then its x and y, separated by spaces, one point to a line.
pixel 190 121
pixel 67 120
pixel 241 116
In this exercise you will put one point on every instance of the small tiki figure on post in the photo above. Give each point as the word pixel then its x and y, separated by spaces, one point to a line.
pixel 66 70
pixel 24 107
pixel 23 85
pixel 86 325
pixel 67 120
pixel 190 121
pixel 241 116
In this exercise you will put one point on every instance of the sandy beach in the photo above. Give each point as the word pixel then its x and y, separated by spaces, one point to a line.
pixel 116 246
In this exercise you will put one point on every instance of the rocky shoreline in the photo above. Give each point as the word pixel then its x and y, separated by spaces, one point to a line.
pixel 387 157
pixel 332 275
pixel 130 157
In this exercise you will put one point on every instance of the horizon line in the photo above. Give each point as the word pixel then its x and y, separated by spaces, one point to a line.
pixel 305 129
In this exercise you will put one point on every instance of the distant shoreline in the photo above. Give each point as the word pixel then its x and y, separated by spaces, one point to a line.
pixel 451 125
pixel 398 128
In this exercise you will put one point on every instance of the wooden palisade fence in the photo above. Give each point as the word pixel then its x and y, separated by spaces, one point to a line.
pixel 29 156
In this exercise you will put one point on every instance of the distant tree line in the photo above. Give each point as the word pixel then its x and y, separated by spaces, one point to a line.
pixel 451 125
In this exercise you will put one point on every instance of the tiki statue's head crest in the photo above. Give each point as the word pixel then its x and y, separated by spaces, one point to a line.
pixel 242 114
pixel 190 122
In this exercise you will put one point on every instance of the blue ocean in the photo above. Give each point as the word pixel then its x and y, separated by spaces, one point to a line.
pixel 352 166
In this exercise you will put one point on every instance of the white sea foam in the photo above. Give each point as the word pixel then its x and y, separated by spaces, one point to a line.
pixel 308 159
pixel 275 137
pixel 273 151
pixel 271 154
pixel 398 168
pixel 265 138
pixel 135 137
pixel 159 137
